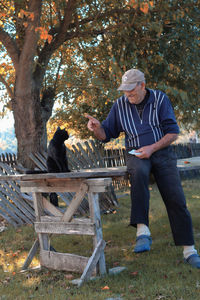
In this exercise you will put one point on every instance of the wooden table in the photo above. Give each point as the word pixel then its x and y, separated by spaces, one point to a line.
pixel 92 182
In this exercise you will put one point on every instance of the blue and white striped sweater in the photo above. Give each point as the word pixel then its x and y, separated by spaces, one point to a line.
pixel 157 120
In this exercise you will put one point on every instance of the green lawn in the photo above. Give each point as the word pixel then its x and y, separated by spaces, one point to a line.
pixel 159 274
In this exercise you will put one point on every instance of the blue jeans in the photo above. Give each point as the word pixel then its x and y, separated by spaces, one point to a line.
pixel 163 166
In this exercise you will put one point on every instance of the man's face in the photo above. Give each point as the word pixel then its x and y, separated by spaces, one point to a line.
pixel 136 95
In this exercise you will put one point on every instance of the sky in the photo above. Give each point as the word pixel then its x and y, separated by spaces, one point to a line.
pixel 6 122
pixel 8 142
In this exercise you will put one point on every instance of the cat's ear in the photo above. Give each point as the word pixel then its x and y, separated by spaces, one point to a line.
pixel 58 128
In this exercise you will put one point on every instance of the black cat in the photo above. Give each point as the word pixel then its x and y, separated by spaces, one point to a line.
pixel 56 153
pixel 56 161
pixel 57 157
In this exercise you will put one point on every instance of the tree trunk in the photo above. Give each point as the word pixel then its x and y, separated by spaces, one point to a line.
pixel 29 126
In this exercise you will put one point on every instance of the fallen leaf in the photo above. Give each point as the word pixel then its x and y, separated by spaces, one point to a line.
pixel 105 287
pixel 134 273
pixel 186 162
pixel 69 276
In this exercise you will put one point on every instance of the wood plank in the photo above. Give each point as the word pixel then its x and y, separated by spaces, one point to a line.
pixel 80 160
pixel 97 154
pixel 64 228
pixel 96 218
pixel 67 198
pixel 9 170
pixel 99 185
pixel 98 182
pixel 74 160
pixel 92 262
pixel 8 219
pixel 55 185
pixel 37 162
pixel 17 199
pixel 58 219
pixel 83 173
pixel 10 213
pixel 76 201
pixel 51 208
pixel 42 159
pixel 39 211
pixel 21 205
pixel 16 207
pixel 63 261
pixel 11 183
pixel 89 162
pixel 51 185
pixel 96 164
pixel 31 254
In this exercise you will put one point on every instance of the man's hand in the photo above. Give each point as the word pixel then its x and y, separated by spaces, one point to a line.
pixel 166 140
pixel 145 152
pixel 93 124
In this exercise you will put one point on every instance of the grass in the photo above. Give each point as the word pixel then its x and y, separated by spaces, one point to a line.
pixel 158 274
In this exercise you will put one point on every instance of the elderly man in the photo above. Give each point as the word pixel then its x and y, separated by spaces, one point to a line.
pixel 147 118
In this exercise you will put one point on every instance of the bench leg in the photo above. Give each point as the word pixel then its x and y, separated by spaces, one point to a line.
pixel 31 254
pixel 96 218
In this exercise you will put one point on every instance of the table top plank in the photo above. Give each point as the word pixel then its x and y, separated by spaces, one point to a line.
pixel 84 173
pixel 182 164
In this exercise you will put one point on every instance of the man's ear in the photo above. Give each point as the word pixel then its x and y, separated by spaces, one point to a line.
pixel 143 85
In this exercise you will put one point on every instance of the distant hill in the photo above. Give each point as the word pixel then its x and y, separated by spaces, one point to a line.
pixel 8 141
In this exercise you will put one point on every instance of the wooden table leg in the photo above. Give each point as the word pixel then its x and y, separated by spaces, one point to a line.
pixel 39 211
pixel 31 254
pixel 96 218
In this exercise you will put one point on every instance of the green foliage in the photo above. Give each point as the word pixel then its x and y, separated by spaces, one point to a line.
pixel 163 43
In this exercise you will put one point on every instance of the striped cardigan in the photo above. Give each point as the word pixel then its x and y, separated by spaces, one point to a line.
pixel 157 120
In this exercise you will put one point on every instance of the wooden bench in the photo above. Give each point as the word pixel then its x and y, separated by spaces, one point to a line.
pixel 91 182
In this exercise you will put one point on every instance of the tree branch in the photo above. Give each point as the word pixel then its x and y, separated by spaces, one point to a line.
pixel 58 70
pixel 8 88
pixel 59 39
pixel 11 47
pixel 31 37
pixel 61 34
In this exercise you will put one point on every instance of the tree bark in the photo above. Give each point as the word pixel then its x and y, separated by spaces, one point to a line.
pixel 30 126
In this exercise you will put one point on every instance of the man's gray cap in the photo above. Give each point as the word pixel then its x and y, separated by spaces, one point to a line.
pixel 130 79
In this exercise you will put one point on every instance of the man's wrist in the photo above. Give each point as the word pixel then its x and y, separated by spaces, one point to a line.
pixel 100 133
